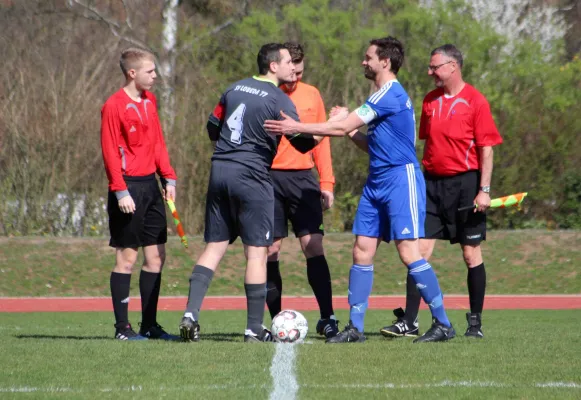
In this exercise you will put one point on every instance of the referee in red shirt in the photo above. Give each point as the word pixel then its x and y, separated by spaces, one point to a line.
pixel 133 152
pixel 459 131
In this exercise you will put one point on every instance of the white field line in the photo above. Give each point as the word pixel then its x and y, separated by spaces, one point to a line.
pixel 217 387
pixel 282 370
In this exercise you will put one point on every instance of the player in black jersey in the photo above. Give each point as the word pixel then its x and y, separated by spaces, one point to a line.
pixel 240 198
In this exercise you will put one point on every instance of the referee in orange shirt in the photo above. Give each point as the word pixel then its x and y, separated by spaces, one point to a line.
pixel 299 198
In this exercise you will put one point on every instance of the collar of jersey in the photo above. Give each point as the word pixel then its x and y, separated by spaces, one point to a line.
pixel 263 80
pixel 391 81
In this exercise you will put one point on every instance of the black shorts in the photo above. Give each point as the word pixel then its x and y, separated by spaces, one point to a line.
pixel 297 197
pixel 148 224
pixel 239 202
pixel 444 195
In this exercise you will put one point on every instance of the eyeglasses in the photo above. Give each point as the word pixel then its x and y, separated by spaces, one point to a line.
pixel 434 68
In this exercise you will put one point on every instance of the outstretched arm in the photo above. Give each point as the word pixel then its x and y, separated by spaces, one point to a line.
pixel 288 126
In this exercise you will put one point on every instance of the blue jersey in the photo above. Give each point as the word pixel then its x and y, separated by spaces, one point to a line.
pixel 391 134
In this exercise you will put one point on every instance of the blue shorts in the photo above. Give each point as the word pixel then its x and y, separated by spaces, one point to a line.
pixel 393 206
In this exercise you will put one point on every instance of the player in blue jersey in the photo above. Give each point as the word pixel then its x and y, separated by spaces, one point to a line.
pixel 393 204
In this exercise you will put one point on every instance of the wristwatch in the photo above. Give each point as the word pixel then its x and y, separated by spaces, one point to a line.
pixel 485 189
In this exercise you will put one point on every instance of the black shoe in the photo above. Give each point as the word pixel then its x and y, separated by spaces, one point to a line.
pixel 474 326
pixel 189 330
pixel 328 327
pixel 127 333
pixel 264 336
pixel 400 327
pixel 349 335
pixel 437 333
pixel 156 331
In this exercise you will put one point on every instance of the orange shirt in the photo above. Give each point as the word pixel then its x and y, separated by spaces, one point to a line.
pixel 311 109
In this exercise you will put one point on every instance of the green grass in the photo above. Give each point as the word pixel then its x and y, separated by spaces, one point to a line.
pixel 53 352
pixel 517 262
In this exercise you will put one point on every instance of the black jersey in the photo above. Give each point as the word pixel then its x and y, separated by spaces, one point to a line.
pixel 242 110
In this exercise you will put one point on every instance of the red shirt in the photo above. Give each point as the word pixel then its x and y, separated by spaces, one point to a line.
pixel 453 128
pixel 132 140
pixel 311 109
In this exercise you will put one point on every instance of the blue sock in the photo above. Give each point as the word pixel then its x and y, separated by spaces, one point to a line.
pixel 427 284
pixel 360 284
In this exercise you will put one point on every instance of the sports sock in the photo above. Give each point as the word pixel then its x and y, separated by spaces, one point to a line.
pixel 255 298
pixel 412 300
pixel 320 281
pixel 360 284
pixel 120 284
pixel 149 284
pixel 273 288
pixel 199 283
pixel 476 280
pixel 427 284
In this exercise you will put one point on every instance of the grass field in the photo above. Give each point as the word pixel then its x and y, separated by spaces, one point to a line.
pixel 517 262
pixel 525 355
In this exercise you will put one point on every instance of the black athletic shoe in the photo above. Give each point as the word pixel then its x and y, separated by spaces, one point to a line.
pixel 264 336
pixel 349 335
pixel 328 327
pixel 127 333
pixel 156 331
pixel 189 330
pixel 474 326
pixel 437 333
pixel 400 327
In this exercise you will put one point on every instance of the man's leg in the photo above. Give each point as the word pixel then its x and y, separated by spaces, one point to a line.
pixel 318 272
pixel 149 287
pixel 361 278
pixel 200 280
pixel 120 282
pixel 255 288
pixel 273 278
pixel 476 281
pixel 413 297
pixel 360 285
pixel 150 282
pixel 319 278
pixel 429 288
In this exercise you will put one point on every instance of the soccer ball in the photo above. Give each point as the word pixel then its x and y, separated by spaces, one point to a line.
pixel 289 326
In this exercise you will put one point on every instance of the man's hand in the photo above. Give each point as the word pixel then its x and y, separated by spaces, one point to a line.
pixel 338 113
pixel 127 205
pixel 169 193
pixel 287 126
pixel 327 198
pixel 482 202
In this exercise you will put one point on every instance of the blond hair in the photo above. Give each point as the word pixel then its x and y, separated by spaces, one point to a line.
pixel 132 57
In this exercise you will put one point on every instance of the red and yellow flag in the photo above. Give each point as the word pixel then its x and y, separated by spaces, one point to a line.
pixel 176 220
pixel 507 201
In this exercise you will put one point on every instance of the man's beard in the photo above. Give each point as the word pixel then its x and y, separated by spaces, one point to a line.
pixel 369 73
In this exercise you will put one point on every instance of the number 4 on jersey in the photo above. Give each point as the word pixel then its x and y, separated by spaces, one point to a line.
pixel 236 125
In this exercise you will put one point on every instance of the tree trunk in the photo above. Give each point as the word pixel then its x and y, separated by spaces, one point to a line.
pixel 168 62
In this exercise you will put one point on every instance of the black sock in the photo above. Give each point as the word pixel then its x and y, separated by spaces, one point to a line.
pixel 199 283
pixel 320 281
pixel 149 284
pixel 412 300
pixel 273 288
pixel 120 284
pixel 255 298
pixel 476 288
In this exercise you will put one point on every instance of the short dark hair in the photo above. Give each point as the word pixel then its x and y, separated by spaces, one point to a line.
pixel 451 51
pixel 390 47
pixel 268 53
pixel 296 51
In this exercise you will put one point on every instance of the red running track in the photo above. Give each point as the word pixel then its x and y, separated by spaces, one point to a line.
pixel 453 302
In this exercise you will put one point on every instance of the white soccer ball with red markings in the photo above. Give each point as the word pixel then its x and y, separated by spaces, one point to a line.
pixel 289 326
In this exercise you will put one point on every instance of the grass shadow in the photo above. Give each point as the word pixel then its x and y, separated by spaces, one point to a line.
pixel 66 337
